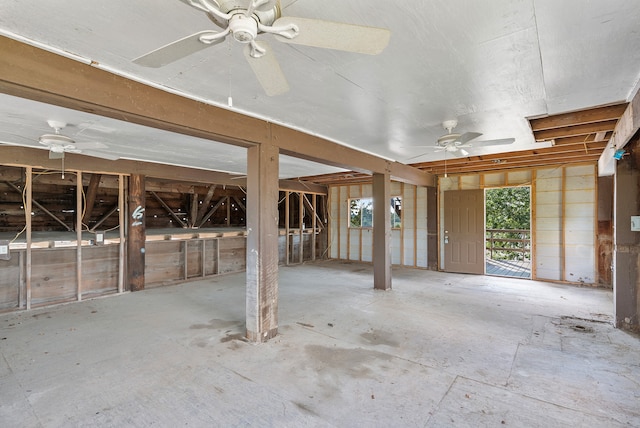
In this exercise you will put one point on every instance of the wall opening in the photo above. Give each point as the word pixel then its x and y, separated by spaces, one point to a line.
pixel 508 231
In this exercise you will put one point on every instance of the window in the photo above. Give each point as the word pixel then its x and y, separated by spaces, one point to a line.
pixel 361 212
pixel 396 212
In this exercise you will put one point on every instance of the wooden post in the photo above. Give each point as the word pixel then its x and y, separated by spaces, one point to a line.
pixel 314 225
pixel 122 226
pixel 92 191
pixel 27 210
pixel 21 282
pixel 262 242
pixel 137 234
pixel 79 234
pixel 203 245
pixel 205 205
pixel 301 227
pixel 286 228
pixel 381 232
pixel 193 215
pixel 185 266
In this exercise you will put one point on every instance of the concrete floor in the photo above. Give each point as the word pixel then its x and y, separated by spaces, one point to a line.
pixel 439 350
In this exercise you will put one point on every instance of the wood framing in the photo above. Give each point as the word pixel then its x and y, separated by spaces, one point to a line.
pixel 137 234
pixel 262 243
pixel 381 232
pixel 33 73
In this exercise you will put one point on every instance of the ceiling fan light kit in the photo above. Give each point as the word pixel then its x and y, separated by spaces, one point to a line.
pixel 245 20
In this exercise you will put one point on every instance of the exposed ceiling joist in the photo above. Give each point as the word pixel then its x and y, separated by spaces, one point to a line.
pixel 22 156
pixel 575 130
pixel 594 115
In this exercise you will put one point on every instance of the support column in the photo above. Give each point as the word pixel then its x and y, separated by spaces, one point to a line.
pixel 28 209
pixel 79 213
pixel 137 233
pixel 381 232
pixel 262 242
pixel 626 259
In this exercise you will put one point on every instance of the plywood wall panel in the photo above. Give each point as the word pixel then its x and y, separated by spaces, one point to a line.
pixel 494 179
pixel 367 245
pixel 194 258
pixel 395 247
pixel 343 222
pixel 232 254
pixel 334 221
pixel 164 262
pixel 519 178
pixel 53 275
pixel 99 269
pixel 10 282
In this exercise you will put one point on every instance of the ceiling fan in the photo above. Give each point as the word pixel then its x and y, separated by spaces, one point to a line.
pixel 59 144
pixel 456 144
pixel 246 20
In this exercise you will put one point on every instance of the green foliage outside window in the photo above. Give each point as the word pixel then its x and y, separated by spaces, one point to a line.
pixel 361 212
pixel 509 210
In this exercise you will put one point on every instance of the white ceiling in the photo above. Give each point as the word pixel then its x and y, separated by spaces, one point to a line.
pixel 490 64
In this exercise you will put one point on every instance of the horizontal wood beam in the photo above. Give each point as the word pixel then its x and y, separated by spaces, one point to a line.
pixel 599 114
pixel 589 138
pixel 303 186
pixel 625 130
pixel 320 150
pixel 533 155
pixel 33 73
pixel 37 158
pixel 570 131
pixel 519 164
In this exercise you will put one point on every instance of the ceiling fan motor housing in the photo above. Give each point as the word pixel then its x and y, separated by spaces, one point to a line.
pixel 446 140
pixel 243 28
pixel 264 16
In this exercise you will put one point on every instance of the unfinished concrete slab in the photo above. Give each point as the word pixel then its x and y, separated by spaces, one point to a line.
pixel 439 350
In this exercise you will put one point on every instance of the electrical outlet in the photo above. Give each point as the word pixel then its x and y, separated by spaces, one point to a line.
pixel 635 223
pixel 4 250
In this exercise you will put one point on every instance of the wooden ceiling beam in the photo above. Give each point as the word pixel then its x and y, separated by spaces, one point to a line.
pixel 581 139
pixel 33 73
pixel 37 158
pixel 576 152
pixel 595 147
pixel 575 130
pixel 542 161
pixel 599 114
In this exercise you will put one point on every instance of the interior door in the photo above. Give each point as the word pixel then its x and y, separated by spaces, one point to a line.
pixel 464 231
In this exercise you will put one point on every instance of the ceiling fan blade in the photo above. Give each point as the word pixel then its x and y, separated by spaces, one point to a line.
pixel 468 136
pixel 107 156
pixel 195 3
pixel 463 152
pixel 415 157
pixel 500 142
pixel 177 50
pixel 89 145
pixel 335 35
pixel 267 70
